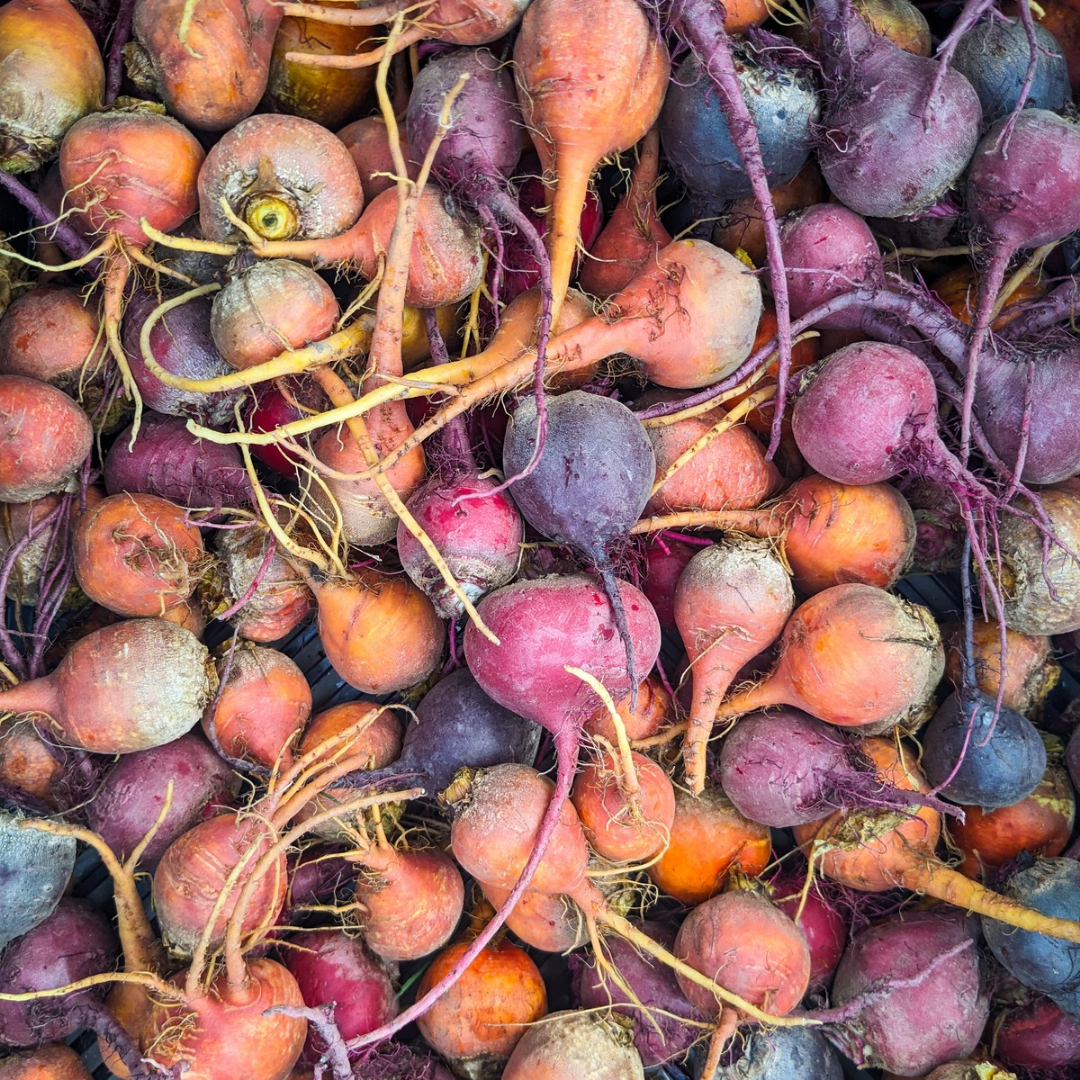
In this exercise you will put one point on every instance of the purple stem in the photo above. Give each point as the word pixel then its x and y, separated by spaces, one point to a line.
pixel 256 581
pixel 121 33
pixel 699 23
pixel 72 244
pixel 95 1016
pixel 1029 76
pixel 1053 308
pixel 973 10
pixel 336 1055
pixel 438 348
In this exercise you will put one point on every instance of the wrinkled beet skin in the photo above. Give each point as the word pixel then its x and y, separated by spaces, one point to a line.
pixel 661 1037
pixel 1048 965
pixel 167 460
pixel 911 1031
pixel 75 941
pixel 132 795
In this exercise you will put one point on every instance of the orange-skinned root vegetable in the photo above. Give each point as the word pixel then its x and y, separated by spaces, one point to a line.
pixel 125 687
pixel 580 111
pixel 137 554
pixel 123 168
pixel 193 872
pixel 411 901
pixel 268 308
pixel 652 711
pixel 874 851
pixel 267 599
pixel 321 94
pixel 454 22
pixel 851 655
pixel 576 1046
pixel 624 827
pixel 727 470
pixel 550 923
pixel 485 1014
pixel 750 947
pixel 28 764
pixel 839 533
pixel 261 708
pixel 369 143
pixel 226 1030
pixel 286 178
pixel 52 1062
pixel 731 603
pixel 46 438
pixel 1041 825
pixel 51 74
pixel 1040 588
pixel 207 61
pixel 51 334
pixel 379 631
pixel 445 264
pixel 634 233
pixel 709 840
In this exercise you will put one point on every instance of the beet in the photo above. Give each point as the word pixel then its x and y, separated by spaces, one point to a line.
pixel 34 871
pixel 74 942
pixel 784 1054
pixel 910 1029
pixel 131 797
pixel 659 1034
pixel 168 461
pixel 1001 755
pixel 1048 965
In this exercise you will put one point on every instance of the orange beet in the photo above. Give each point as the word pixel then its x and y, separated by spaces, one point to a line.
pixel 380 632
pixel 228 1031
pixel 369 144
pixel 193 871
pixel 709 840
pixel 654 710
pixel 619 827
pixel 137 554
pixel 27 764
pixel 261 708
pixel 838 533
pixel 477 1024
pixel 45 439
pixel 1030 669
pixel 851 655
pixel 576 1046
pixel 958 290
pixel 1041 824
pixel 51 1062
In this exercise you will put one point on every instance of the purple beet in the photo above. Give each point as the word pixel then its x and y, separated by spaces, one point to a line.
pixel 181 343
pixel 659 1035
pixel 73 943
pixel 167 460
pixel 133 794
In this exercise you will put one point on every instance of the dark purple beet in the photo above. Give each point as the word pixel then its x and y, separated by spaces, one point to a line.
pixel 660 1036
pixel 458 725
pixel 74 942
pixel 167 460
pixel 783 1054
pixel 395 1061
pixel 132 795
pixel 181 343
pixel 1072 757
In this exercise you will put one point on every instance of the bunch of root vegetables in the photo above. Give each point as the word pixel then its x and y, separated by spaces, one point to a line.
pixel 593 404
